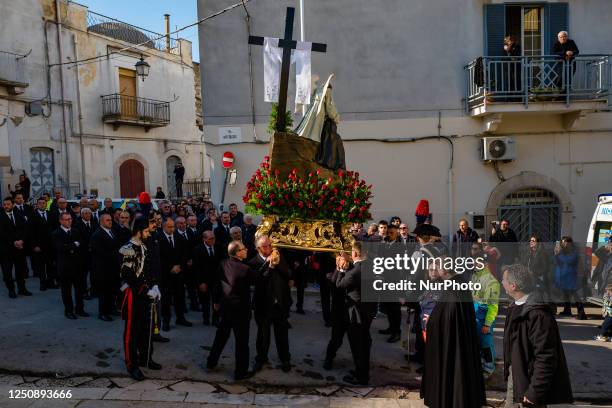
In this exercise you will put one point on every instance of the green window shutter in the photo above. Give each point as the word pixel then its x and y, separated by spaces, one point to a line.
pixel 495 29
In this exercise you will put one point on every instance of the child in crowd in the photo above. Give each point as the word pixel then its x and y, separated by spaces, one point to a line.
pixel 606 327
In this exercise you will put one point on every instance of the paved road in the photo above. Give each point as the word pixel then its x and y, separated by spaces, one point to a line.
pixel 38 343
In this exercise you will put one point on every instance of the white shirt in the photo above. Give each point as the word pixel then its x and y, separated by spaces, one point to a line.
pixel 521 301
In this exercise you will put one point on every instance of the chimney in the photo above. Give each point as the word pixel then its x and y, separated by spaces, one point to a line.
pixel 167 18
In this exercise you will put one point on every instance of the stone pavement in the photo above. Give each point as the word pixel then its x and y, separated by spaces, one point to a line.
pixel 40 349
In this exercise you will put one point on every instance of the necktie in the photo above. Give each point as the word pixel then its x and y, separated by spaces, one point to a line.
pixel 12 218
pixel 87 223
pixel 111 234
pixel 171 241
pixel 227 229
pixel 210 252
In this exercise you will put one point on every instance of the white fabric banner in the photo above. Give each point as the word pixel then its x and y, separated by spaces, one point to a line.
pixel 301 55
pixel 273 57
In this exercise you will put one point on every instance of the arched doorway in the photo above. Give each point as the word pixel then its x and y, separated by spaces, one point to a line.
pixel 530 211
pixel 171 161
pixel 132 179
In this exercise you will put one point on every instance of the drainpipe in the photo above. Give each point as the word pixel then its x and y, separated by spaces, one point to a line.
pixel 60 50
pixel 167 18
pixel 80 117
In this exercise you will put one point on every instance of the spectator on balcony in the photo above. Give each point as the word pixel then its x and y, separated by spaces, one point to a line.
pixel 512 68
pixel 179 174
pixel 159 195
pixel 567 50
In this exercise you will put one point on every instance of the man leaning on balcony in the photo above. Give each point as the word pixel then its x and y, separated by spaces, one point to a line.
pixel 566 49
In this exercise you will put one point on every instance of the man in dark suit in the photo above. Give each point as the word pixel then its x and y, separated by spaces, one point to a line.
pixel 122 230
pixel 236 217
pixel 86 226
pixel 13 249
pixel 42 257
pixel 360 316
pixel 105 267
pixel 211 222
pixel 108 207
pixel 232 299
pixel 55 214
pixel 172 287
pixel 22 208
pixel 190 238
pixel 206 259
pixel 67 244
pixel 271 303
pixel 222 232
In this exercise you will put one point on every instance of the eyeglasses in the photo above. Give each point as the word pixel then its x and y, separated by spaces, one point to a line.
pixel 403 228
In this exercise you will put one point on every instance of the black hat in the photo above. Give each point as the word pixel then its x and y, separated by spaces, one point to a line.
pixel 141 224
pixel 427 229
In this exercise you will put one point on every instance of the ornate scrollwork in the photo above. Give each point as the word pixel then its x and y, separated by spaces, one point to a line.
pixel 317 235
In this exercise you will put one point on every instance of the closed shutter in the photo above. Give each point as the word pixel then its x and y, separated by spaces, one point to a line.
pixel 556 18
pixel 495 29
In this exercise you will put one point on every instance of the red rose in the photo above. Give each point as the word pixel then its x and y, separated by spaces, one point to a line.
pixel 267 158
pixel 259 196
pixel 318 172
pixel 301 204
pixel 348 193
pixel 342 202
pixel 340 173
pixel 272 196
pixel 339 208
pixel 258 205
pixel 272 203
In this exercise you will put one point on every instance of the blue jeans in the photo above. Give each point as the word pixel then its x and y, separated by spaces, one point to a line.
pixel 606 326
pixel 487 345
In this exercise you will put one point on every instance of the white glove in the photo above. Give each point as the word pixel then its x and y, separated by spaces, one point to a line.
pixel 154 293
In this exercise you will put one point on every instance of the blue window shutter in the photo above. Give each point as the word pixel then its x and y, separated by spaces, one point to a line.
pixel 556 18
pixel 495 29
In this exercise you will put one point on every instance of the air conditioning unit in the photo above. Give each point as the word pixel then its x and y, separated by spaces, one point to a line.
pixel 498 148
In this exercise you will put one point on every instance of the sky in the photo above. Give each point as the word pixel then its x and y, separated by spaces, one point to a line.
pixel 149 14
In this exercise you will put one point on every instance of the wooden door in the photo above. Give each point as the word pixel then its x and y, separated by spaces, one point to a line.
pixel 131 178
pixel 127 89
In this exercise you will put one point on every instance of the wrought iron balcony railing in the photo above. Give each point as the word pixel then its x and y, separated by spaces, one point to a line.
pixel 124 109
pixel 12 69
pixel 538 79
pixel 100 24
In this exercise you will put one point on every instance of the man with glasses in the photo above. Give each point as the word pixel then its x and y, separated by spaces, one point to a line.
pixel 567 50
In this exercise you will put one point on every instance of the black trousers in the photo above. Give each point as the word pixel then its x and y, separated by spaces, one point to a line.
pixel 43 267
pixel 16 259
pixel 191 285
pixel 300 286
pixel 360 342
pixel 240 327
pixel 137 330
pixel 325 292
pixel 173 292
pixel 393 310
pixel 206 303
pixel 281 337
pixel 106 291
pixel 71 278
pixel 339 329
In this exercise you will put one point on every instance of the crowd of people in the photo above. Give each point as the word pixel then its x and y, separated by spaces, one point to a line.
pixel 151 267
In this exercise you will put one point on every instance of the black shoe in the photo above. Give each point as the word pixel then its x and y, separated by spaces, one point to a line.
pixel 105 318
pixel 137 374
pixel 300 311
pixel 328 364
pixel 385 331
pixel 86 297
pixel 82 313
pixel 206 322
pixel 24 292
pixel 353 381
pixel 565 313
pixel 165 326
pixel 12 294
pixel 286 367
pixel 416 358
pixel 160 339
pixel 289 326
pixel 419 370
pixel 70 315
pixel 195 307
pixel 328 324
pixel 243 376
pixel 51 285
pixel 153 365
pixel 258 366
pixel 183 322
pixel 210 365
pixel 115 313
pixel 581 316
pixel 43 287
pixel 394 338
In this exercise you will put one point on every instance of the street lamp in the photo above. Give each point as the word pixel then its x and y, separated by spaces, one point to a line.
pixel 142 68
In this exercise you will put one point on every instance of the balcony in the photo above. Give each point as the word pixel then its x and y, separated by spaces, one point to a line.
pixel 12 72
pixel 499 87
pixel 118 109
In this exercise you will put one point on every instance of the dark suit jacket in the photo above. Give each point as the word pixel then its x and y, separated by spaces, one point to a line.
pixel 105 258
pixel 122 234
pixel 10 233
pixel 40 232
pixel 67 252
pixel 27 212
pixel 233 290
pixel 560 49
pixel 222 238
pixel 86 233
pixel 206 266
pixel 170 256
pixel 272 292
pixel 54 217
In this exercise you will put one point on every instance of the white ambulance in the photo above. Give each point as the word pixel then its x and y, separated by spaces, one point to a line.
pixel 600 233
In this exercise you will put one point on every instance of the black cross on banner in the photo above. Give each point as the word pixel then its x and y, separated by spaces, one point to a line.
pixel 287 44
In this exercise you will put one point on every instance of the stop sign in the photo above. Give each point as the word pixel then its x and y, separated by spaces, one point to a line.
pixel 228 160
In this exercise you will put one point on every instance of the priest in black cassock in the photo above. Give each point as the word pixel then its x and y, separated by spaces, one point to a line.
pixel 452 375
